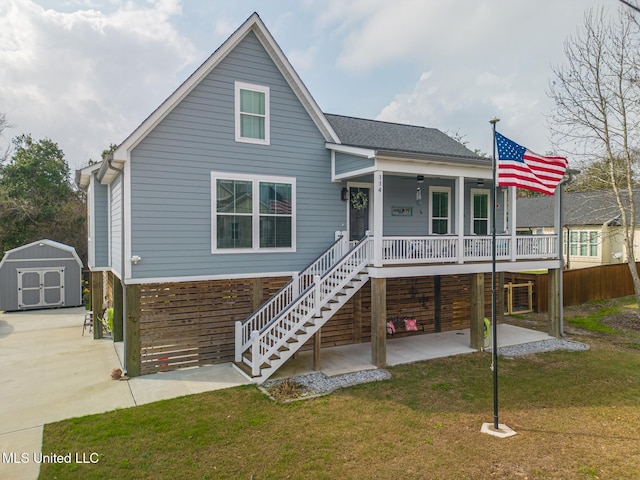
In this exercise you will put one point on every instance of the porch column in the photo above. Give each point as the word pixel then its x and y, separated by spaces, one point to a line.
pixel 513 195
pixel 317 345
pixel 379 322
pixel 460 217
pixel 378 197
pixel 477 311
pixel 118 308
pixel 256 293
pixel 555 302
pixel 97 299
pixel 132 350
pixel 557 328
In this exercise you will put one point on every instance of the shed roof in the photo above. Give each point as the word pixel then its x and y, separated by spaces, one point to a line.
pixel 51 243
pixel 397 137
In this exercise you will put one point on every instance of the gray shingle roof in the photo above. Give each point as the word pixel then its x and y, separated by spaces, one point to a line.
pixel 579 208
pixel 396 137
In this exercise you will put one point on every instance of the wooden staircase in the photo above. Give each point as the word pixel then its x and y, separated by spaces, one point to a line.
pixel 268 338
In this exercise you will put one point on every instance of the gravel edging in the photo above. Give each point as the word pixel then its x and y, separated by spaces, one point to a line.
pixel 541 346
pixel 318 383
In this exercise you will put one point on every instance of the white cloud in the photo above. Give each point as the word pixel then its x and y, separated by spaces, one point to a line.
pixel 482 58
pixel 62 69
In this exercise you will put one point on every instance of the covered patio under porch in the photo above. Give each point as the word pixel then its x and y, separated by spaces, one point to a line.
pixel 352 358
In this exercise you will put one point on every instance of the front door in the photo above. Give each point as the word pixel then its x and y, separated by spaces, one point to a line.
pixel 359 203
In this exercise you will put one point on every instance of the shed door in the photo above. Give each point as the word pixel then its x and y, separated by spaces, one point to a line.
pixel 40 287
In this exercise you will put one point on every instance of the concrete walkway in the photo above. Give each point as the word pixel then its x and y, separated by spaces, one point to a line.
pixel 50 372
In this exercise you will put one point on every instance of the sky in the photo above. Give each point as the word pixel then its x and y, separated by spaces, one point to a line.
pixel 86 73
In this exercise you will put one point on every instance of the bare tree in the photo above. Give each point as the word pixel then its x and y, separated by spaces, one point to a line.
pixel 597 108
pixel 4 124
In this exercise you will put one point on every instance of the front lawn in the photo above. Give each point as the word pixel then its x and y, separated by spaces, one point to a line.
pixel 577 415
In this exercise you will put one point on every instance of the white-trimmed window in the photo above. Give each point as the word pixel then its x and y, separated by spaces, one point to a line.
pixel 583 243
pixel 439 210
pixel 480 211
pixel 252 113
pixel 252 213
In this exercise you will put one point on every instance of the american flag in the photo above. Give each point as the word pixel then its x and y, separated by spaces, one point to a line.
pixel 520 167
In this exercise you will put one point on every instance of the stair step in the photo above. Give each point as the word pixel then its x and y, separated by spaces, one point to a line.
pixel 246 369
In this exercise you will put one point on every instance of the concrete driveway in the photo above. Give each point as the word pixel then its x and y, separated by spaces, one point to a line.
pixel 50 372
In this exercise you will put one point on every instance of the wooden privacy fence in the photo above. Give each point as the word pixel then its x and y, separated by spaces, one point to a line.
pixel 192 323
pixel 580 285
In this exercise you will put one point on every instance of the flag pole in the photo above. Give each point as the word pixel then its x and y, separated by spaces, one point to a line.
pixel 496 428
pixel 494 329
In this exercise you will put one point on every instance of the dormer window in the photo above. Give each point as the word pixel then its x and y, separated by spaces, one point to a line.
pixel 252 113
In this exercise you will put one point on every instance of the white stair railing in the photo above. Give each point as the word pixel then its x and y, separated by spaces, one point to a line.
pixel 274 336
pixel 287 294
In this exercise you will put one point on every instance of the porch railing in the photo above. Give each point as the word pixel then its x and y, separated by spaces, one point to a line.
pixel 475 248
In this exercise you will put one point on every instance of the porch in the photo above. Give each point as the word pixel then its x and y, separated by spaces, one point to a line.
pixel 410 349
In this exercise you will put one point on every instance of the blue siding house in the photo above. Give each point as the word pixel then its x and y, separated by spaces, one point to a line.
pixel 239 219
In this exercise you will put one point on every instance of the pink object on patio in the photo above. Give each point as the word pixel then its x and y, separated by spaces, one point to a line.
pixel 410 325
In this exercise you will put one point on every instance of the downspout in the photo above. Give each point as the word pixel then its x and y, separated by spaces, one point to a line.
pixel 109 159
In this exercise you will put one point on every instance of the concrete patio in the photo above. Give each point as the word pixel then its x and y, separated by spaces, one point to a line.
pixel 416 348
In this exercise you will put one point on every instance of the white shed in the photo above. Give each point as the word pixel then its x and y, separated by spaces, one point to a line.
pixel 42 274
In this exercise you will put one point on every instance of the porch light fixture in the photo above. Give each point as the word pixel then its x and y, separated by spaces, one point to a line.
pixel 480 182
pixel 344 195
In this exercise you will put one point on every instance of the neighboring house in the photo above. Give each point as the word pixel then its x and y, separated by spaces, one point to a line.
pixel 592 231
pixel 238 190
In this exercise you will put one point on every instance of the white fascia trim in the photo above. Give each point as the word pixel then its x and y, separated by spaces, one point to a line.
pixel 432 168
pixel 91 240
pixel 99 269
pixel 126 221
pixel 357 151
pixel 459 269
pixel 204 278
pixel 353 174
pixel 56 259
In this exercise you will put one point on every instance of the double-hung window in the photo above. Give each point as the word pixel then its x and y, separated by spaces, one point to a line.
pixel 252 113
pixel 439 210
pixel 583 243
pixel 252 213
pixel 479 211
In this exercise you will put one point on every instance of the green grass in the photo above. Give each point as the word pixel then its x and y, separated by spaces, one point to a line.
pixel 576 414
pixel 593 322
